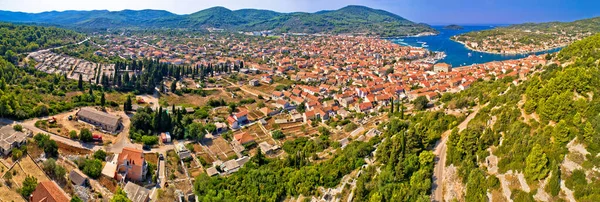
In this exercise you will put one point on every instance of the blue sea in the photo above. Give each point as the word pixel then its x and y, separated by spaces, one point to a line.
pixel 457 54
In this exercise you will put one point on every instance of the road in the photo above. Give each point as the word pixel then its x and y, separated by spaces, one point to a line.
pixel 440 162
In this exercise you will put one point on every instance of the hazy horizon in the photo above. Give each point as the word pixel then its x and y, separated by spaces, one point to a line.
pixel 434 12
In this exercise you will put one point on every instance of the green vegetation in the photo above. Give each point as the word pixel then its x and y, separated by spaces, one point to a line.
pixel 100 155
pixel 91 167
pixel 120 196
pixel 56 172
pixel 277 134
pixel 533 34
pixel 454 27
pixel 17 39
pixel 50 146
pixel 272 180
pixel 566 102
pixel 406 163
pixel 350 19
pixel 29 185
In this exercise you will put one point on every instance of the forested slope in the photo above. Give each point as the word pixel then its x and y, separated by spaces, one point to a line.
pixel 545 131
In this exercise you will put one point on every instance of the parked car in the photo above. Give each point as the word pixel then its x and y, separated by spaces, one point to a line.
pixel 161 157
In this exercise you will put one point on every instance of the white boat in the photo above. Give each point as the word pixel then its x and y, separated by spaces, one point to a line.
pixel 469 54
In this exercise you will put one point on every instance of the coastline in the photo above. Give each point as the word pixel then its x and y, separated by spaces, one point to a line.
pixel 497 53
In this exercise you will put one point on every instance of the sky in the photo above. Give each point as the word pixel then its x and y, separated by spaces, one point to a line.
pixel 435 12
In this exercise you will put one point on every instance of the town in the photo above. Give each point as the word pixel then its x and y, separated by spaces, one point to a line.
pixel 269 95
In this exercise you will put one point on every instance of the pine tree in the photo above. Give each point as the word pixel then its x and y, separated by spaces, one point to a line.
pixel 102 99
pixel 80 82
pixel 128 105
pixel 173 86
pixel 91 92
pixel 536 164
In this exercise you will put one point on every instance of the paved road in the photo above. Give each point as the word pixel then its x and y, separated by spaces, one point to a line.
pixel 440 163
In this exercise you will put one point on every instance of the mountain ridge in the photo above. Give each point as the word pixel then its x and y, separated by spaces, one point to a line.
pixel 347 20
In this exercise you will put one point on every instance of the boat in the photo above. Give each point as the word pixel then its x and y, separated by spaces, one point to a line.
pixel 469 54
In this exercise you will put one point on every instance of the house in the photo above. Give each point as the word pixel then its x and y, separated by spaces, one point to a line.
pixel 233 123
pixel 107 122
pixel 165 137
pixel 131 165
pixel 442 67
pixel 243 138
pixel 78 178
pixel 48 191
pixel 364 107
pixel 221 127
pixel 309 115
pixel 212 171
pixel 253 82
pixel 10 139
pixel 267 148
pixel 268 112
pixel 136 193
pixel 276 95
pixel 241 117
pixel 347 101
pixel 234 165
pixel 230 166
pixel 296 117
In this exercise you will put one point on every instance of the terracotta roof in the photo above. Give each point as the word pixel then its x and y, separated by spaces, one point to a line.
pixel 136 156
pixel 48 191
pixel 243 138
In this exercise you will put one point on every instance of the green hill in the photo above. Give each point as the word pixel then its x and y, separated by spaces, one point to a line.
pixel 350 19
pixel 534 36
pixel 547 128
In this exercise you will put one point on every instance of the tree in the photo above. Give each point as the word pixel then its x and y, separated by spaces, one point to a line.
pixel 80 83
pixel 301 108
pixel 8 178
pixel 18 127
pixel 85 135
pixel 128 106
pixel 195 131
pixel 277 134
pixel 536 164
pixel 11 56
pixel 476 188
pixel 173 86
pixel 29 185
pixel 91 92
pixel 92 168
pixel 73 134
pixel 120 196
pixel 102 100
pixel 76 199
pixel 553 186
pixel 100 155
pixel 420 103
pixel 50 148
pixel 150 140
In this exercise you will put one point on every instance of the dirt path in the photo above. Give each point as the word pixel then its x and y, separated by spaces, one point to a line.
pixel 440 152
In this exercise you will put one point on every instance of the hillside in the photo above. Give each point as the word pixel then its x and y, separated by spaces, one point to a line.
pixel 350 19
pixel 17 39
pixel 536 140
pixel 454 27
pixel 530 37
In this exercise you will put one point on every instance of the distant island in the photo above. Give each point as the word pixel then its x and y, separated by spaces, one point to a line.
pixel 529 37
pixel 356 20
pixel 454 27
